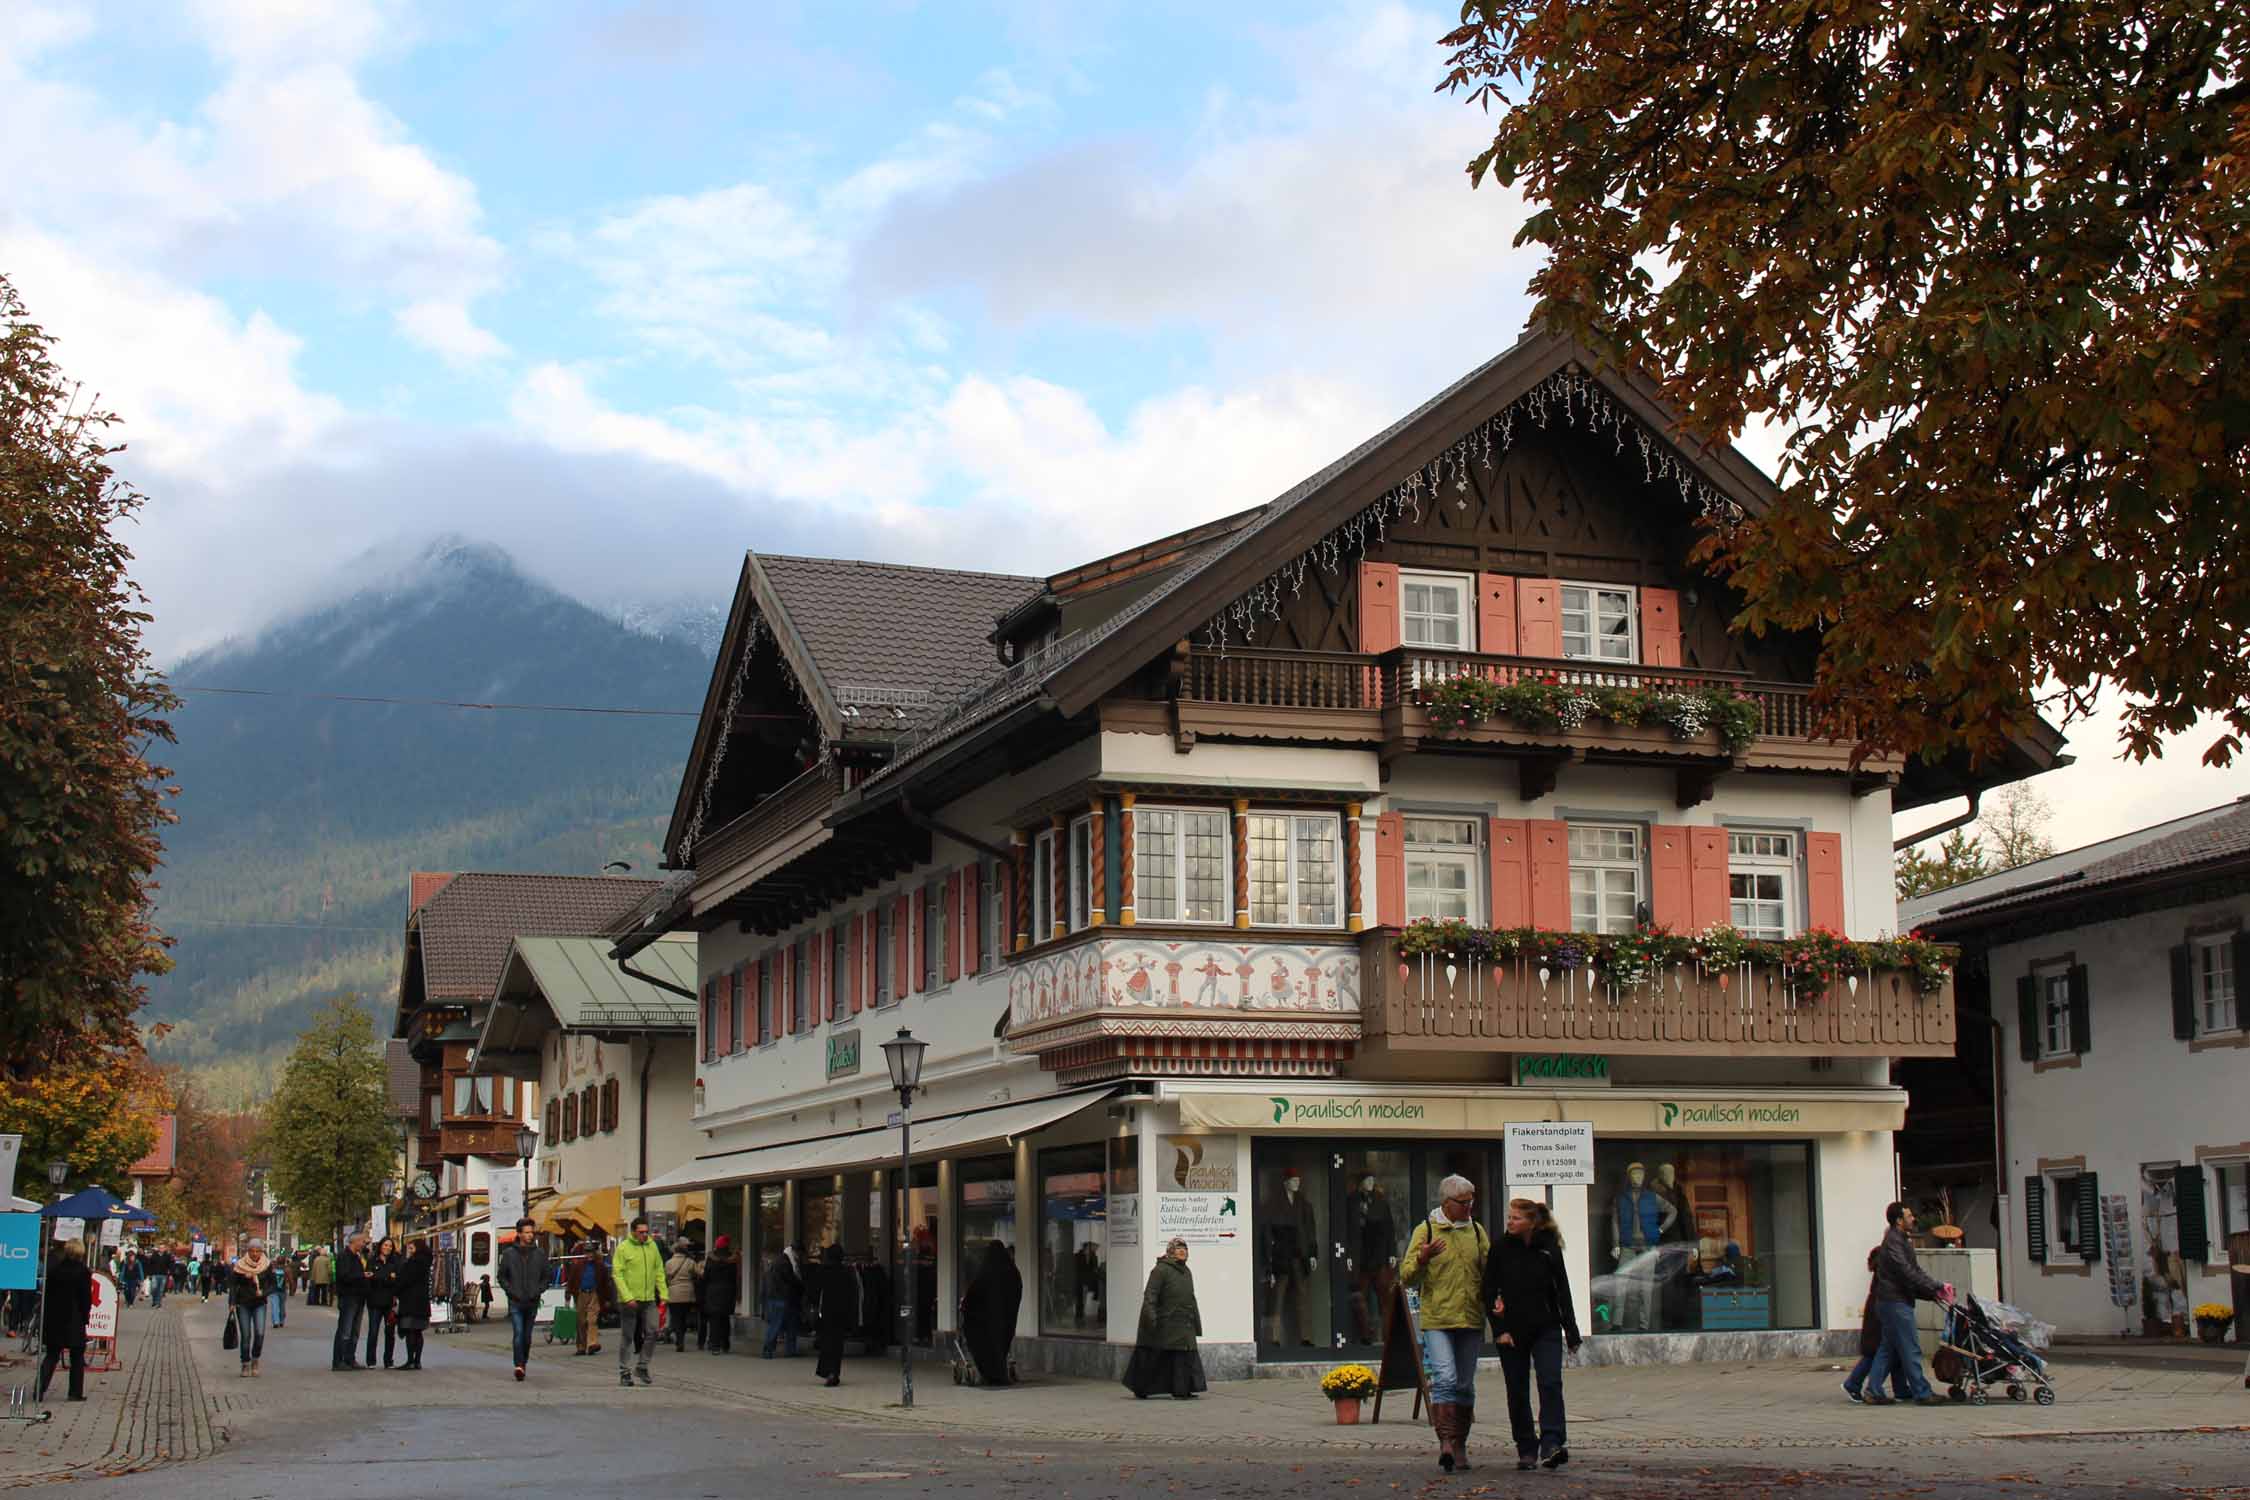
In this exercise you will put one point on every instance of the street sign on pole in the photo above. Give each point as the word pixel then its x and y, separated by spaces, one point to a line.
pixel 1552 1153
pixel 506 1197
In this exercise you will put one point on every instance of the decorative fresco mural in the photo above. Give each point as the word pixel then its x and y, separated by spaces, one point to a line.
pixel 1138 973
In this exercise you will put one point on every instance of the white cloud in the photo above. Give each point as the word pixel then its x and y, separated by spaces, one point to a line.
pixel 446 329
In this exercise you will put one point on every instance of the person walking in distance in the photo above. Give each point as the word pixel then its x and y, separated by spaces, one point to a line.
pixel 523 1276
pixel 838 1292
pixel 680 1274
pixel 411 1304
pixel 1899 1281
pixel 638 1271
pixel 1870 1343
pixel 323 1272
pixel 277 1292
pixel 591 1290
pixel 68 1303
pixel 783 1292
pixel 349 1267
pixel 246 1300
pixel 721 1287
pixel 1527 1286
pixel 1445 1258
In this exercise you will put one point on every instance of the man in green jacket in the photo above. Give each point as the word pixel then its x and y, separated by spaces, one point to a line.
pixel 638 1270
pixel 1445 1260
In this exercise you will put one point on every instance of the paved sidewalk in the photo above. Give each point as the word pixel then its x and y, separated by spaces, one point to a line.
pixel 1776 1405
pixel 152 1411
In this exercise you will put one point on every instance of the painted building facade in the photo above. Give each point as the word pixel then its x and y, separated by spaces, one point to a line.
pixel 1154 854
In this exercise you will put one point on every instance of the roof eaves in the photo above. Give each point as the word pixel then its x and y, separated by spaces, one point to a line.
pixel 714 699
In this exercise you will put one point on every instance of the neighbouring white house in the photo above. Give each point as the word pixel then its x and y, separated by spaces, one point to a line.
pixel 2116 973
pixel 1245 883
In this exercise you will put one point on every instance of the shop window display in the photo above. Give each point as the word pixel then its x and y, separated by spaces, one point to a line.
pixel 1073 1241
pixel 820 1215
pixel 988 1207
pixel 920 1249
pixel 1701 1237
pixel 769 1231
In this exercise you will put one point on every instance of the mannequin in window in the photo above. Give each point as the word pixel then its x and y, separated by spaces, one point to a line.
pixel 1666 1185
pixel 1291 1236
pixel 1371 1235
pixel 1638 1222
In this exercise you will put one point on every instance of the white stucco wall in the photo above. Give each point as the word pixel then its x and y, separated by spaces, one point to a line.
pixel 2138 1095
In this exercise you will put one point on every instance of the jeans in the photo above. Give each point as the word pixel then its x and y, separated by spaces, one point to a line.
pixel 1451 1354
pixel 1856 1382
pixel 277 1307
pixel 132 1291
pixel 156 1291
pixel 781 1323
pixel 380 1326
pixel 1901 1350
pixel 250 1331
pixel 1518 1367
pixel 520 1315
pixel 348 1310
pixel 636 1329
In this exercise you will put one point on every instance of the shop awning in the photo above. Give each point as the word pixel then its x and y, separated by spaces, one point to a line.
pixel 595 1208
pixel 941 1135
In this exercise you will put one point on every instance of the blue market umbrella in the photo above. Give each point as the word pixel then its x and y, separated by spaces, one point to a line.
pixel 95 1205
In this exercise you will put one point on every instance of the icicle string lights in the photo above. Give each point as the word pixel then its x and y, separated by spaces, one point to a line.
pixel 1569 396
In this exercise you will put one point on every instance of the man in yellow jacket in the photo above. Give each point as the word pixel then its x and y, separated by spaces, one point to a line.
pixel 1445 1261
pixel 638 1270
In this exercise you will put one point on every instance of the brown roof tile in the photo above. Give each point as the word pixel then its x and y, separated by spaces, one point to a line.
pixel 421 886
pixel 466 928
pixel 885 636
pixel 164 1155
pixel 402 1077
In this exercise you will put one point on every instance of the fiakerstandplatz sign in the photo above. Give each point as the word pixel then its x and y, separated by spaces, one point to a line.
pixel 1552 1153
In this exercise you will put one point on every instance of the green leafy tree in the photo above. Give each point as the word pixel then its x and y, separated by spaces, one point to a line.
pixel 1985 267
pixel 80 804
pixel 93 1105
pixel 1958 857
pixel 328 1136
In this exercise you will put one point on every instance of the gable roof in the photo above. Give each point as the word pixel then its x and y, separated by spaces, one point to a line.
pixel 163 1157
pixel 422 885
pixel 2211 841
pixel 460 937
pixel 583 989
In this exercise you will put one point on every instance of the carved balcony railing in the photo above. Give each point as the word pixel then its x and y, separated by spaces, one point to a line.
pixel 1431 1002
pixel 784 809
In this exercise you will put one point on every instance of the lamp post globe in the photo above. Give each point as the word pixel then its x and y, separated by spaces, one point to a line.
pixel 902 1054
pixel 527 1146
pixel 58 1171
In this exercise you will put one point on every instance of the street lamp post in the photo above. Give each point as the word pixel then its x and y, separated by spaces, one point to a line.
pixel 902 1054
pixel 58 1172
pixel 527 1146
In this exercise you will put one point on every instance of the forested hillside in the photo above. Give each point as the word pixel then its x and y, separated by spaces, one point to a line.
pixel 300 818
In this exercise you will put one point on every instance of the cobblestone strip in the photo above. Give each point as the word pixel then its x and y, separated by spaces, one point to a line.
pixel 164 1415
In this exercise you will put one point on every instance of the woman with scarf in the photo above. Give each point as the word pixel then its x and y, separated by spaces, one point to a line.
pixel 988 1313
pixel 1164 1356
pixel 247 1295
pixel 412 1304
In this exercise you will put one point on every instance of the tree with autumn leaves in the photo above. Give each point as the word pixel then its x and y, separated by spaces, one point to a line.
pixel 81 804
pixel 1984 268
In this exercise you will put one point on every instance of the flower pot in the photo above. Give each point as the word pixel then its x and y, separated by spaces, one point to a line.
pixel 1347 1411
pixel 2211 1330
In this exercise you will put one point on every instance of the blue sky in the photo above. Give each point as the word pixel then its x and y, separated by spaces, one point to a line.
pixel 628 287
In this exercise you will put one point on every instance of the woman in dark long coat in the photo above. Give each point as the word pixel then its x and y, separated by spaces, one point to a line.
pixel 381 1290
pixel 988 1313
pixel 721 1288
pixel 64 1311
pixel 1164 1357
pixel 412 1300
pixel 838 1291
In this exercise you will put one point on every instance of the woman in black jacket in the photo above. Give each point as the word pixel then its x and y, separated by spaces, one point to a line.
pixel 720 1290
pixel 65 1307
pixel 838 1290
pixel 381 1290
pixel 1528 1289
pixel 411 1289
pixel 988 1313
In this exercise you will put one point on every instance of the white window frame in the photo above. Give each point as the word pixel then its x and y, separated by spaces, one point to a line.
pixel 1758 853
pixel 1602 866
pixel 1464 584
pixel 2050 990
pixel 930 901
pixel 2215 1015
pixel 1293 886
pixel 2062 1226
pixel 2233 1213
pixel 1081 873
pixel 885 920
pixel 1466 857
pixel 1593 635
pixel 992 917
pixel 1042 886
pixel 1178 860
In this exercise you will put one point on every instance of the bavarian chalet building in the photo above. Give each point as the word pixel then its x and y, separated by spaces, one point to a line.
pixel 1137 849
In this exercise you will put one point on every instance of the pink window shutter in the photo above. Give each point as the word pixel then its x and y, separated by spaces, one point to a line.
pixel 1538 617
pixel 1390 870
pixel 1671 896
pixel 1550 873
pixel 1707 877
pixel 1496 614
pixel 1511 872
pixel 1660 627
pixel 1824 877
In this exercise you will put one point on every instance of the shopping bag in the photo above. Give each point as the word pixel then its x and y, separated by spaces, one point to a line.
pixel 227 1340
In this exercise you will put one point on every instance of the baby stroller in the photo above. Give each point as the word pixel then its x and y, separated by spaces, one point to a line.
pixel 1975 1351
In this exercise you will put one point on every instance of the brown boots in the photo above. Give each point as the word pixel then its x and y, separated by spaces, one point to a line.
pixel 1452 1421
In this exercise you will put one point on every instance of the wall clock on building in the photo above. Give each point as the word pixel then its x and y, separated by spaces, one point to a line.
pixel 424 1186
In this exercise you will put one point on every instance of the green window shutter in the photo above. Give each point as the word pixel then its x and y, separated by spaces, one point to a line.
pixel 2089 1215
pixel 2183 995
pixel 2081 1011
pixel 2195 1230
pixel 2035 1215
pixel 2027 1018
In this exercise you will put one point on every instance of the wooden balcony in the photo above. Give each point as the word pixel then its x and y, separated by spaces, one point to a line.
pixel 1340 697
pixel 781 812
pixel 1428 1003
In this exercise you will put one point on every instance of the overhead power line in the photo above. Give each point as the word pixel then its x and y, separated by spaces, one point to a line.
pixel 529 708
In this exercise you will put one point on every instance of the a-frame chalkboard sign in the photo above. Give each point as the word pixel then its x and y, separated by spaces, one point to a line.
pixel 1402 1365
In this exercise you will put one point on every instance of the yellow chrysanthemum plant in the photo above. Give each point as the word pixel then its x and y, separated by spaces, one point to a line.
pixel 1348 1383
pixel 2214 1312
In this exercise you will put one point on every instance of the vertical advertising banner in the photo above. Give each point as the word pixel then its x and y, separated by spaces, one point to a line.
pixel 19 1252
pixel 11 1148
pixel 506 1198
